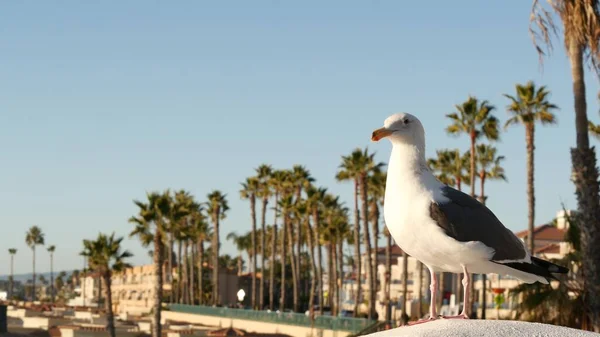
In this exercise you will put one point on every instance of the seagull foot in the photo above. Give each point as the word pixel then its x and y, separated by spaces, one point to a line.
pixel 461 316
pixel 424 320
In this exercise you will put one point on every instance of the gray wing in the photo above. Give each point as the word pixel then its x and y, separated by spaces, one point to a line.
pixel 466 219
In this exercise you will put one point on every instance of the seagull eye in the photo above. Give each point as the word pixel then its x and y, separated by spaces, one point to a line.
pixel 405 121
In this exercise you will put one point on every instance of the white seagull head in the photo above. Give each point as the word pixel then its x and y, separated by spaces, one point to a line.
pixel 401 128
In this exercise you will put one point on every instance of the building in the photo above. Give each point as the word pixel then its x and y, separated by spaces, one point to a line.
pixel 133 290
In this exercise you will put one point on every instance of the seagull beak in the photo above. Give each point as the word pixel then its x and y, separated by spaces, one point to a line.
pixel 379 134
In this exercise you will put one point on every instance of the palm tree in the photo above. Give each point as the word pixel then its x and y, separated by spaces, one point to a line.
pixel 33 238
pixel 357 167
pixel 285 207
pixel 315 200
pixel 105 257
pixel 150 227
pixel 528 107
pixel 51 250
pixel 376 192
pixel 404 283
pixel 249 190
pixel 489 168
pixel 300 179
pixel 12 252
pixel 581 29
pixel 264 192
pixel 450 167
pixel 242 243
pixel 388 274
pixel 199 233
pixel 474 118
pixel 217 209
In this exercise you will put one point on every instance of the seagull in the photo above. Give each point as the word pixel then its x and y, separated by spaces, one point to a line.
pixel 444 228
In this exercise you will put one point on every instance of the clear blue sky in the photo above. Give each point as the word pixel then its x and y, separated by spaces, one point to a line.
pixel 101 102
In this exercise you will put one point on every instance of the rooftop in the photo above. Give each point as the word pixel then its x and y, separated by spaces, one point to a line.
pixel 544 232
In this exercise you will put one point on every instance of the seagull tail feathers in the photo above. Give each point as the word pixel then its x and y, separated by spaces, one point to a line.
pixel 538 267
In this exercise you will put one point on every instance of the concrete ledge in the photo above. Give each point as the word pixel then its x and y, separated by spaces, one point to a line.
pixel 482 328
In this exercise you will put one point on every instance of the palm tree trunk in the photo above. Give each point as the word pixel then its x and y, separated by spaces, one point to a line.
pixel 170 265
pixel 239 264
pixel 375 245
pixel 315 227
pixel 404 282
pixel 368 251
pixel 272 269
pixel 261 293
pixel 388 276
pixel 340 256
pixel 357 261
pixel 471 298
pixel 158 284
pixel 529 139
pixel 334 289
pixel 253 239
pixel 290 237
pixel 184 280
pixel 585 174
pixel 298 255
pixel 52 276
pixel 215 251
pixel 201 271
pixel 12 276
pixel 110 316
pixel 192 263
pixel 273 253
pixel 179 273
pixel 313 270
pixel 420 293
pixel 484 276
pixel 33 277
pixel 330 275
pixel 283 263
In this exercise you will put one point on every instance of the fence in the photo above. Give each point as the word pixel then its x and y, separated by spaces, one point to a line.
pixel 321 322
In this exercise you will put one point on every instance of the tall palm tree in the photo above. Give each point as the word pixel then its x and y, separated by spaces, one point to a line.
pixel 530 106
pixel 12 252
pixel 151 226
pixel 388 274
pixel 273 241
pixel 199 232
pixel 33 238
pixel 489 168
pixel 357 167
pixel 376 192
pixel 249 190
pixel 315 200
pixel 581 29
pixel 51 250
pixel 263 173
pixel 217 209
pixel 450 167
pixel 105 257
pixel 178 227
pixel 404 283
pixel 300 179
pixel 302 211
pixel 475 119
pixel 285 207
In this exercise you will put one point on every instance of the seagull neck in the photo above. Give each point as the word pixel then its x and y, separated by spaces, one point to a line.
pixel 408 159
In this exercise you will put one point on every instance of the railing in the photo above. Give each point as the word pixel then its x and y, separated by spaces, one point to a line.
pixel 320 322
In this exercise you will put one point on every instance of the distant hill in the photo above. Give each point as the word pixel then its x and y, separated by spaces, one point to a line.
pixel 29 276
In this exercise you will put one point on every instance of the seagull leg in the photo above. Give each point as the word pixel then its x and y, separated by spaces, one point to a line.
pixel 432 309
pixel 467 291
